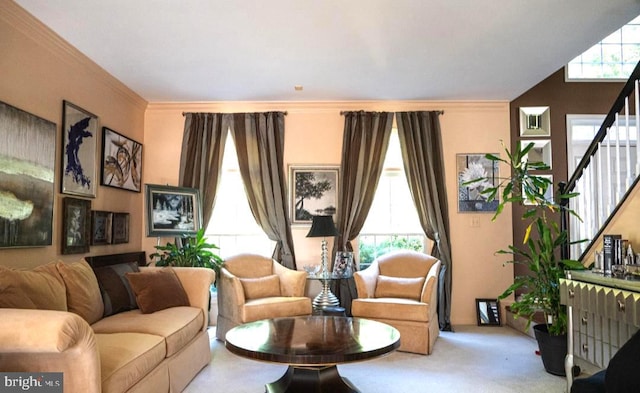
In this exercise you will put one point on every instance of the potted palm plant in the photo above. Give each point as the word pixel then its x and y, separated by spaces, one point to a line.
pixel 539 252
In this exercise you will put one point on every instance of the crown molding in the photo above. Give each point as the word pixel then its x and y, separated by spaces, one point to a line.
pixel 39 33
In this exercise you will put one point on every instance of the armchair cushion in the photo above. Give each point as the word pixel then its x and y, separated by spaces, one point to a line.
pixel 401 287
pixel 157 290
pixel 261 287
pixel 40 288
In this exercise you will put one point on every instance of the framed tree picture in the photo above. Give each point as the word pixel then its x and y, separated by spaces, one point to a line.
pixel 121 164
pixel 79 147
pixel 173 211
pixel 313 191
pixel 76 225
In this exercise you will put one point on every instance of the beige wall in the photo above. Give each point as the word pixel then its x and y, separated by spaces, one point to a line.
pixel 37 72
pixel 314 136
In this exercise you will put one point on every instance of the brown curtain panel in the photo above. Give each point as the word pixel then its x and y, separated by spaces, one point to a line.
pixel 421 145
pixel 364 147
pixel 201 157
pixel 259 139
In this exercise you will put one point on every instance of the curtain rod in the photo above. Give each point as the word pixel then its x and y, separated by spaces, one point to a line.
pixel 185 113
pixel 438 112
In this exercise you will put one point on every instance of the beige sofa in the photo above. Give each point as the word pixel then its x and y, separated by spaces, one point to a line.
pixel 128 351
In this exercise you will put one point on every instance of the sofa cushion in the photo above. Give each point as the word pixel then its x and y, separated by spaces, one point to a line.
pixel 117 295
pixel 125 358
pixel 275 307
pixel 178 325
pixel 391 308
pixel 157 289
pixel 40 288
pixel 402 287
pixel 83 291
pixel 257 288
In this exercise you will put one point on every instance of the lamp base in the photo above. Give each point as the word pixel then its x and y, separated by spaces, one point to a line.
pixel 325 298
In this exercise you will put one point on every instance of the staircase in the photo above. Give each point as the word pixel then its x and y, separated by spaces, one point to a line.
pixel 606 175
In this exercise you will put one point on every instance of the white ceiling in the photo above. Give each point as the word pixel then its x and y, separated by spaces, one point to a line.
pixel 257 50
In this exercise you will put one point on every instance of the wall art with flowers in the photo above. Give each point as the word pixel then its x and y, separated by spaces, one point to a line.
pixel 471 167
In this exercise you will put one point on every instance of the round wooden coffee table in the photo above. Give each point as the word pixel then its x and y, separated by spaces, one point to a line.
pixel 312 346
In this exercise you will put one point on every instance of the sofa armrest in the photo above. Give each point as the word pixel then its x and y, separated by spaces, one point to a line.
pixel 50 341
pixel 430 288
pixel 292 282
pixel 366 280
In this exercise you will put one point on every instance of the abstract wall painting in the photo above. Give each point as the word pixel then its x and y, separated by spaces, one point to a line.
pixel 27 166
pixel 121 161
pixel 79 146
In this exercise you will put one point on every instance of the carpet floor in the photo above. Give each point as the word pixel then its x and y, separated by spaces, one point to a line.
pixel 473 359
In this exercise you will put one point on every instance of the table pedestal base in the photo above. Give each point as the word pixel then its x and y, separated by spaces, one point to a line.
pixel 311 379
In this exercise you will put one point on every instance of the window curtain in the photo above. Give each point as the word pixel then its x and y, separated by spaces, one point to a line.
pixel 364 147
pixel 259 139
pixel 203 143
pixel 421 145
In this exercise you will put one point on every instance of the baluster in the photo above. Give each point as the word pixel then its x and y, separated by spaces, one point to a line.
pixel 628 179
pixel 601 214
pixel 609 180
pixel 637 97
pixel 618 180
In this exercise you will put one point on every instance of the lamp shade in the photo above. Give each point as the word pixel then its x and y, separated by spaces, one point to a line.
pixel 322 226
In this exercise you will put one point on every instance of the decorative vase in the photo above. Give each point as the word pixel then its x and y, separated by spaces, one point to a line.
pixel 553 349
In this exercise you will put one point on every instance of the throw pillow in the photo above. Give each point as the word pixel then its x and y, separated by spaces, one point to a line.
pixel 402 287
pixel 117 295
pixel 40 288
pixel 257 288
pixel 83 291
pixel 157 289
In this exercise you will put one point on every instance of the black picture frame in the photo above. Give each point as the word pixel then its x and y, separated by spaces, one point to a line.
pixel 76 225
pixel 313 180
pixel 488 312
pixel 79 175
pixel 101 227
pixel 120 228
pixel 121 164
pixel 172 211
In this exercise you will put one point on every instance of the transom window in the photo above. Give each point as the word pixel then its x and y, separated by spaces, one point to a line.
pixel 614 57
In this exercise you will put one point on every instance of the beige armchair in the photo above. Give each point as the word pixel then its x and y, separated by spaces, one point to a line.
pixel 253 287
pixel 400 289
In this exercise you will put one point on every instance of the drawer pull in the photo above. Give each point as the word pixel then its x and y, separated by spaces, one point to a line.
pixel 585 348
pixel 584 320
pixel 572 293
pixel 620 305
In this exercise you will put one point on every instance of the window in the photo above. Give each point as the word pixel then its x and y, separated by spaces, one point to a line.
pixel 392 222
pixel 232 226
pixel 615 57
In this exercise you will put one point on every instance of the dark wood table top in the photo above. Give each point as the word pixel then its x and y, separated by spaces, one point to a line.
pixel 312 340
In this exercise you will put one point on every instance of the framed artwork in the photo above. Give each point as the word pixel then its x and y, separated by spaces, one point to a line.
pixel 548 195
pixel 488 312
pixel 27 174
pixel 535 121
pixel 121 164
pixel 172 211
pixel 76 225
pixel 540 152
pixel 313 191
pixel 79 147
pixel 471 167
pixel 100 227
pixel 120 227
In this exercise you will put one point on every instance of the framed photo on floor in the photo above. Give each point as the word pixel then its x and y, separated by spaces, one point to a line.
pixel 173 211
pixel 488 312
pixel 79 147
pixel 121 164
pixel 313 190
pixel 76 225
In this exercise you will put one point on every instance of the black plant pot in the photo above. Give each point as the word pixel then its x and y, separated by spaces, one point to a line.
pixel 553 350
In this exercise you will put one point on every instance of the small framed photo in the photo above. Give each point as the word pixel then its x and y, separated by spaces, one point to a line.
pixel 79 151
pixel 313 191
pixel 470 197
pixel 76 225
pixel 488 312
pixel 121 164
pixel 100 227
pixel 172 211
pixel 120 227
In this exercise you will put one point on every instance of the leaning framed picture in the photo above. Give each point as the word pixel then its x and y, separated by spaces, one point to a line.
pixel 79 147
pixel 471 167
pixel 313 190
pixel 76 225
pixel 121 164
pixel 488 312
pixel 120 227
pixel 172 211
pixel 100 227
pixel 27 176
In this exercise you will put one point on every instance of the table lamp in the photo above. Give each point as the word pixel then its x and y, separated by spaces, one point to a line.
pixel 323 226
